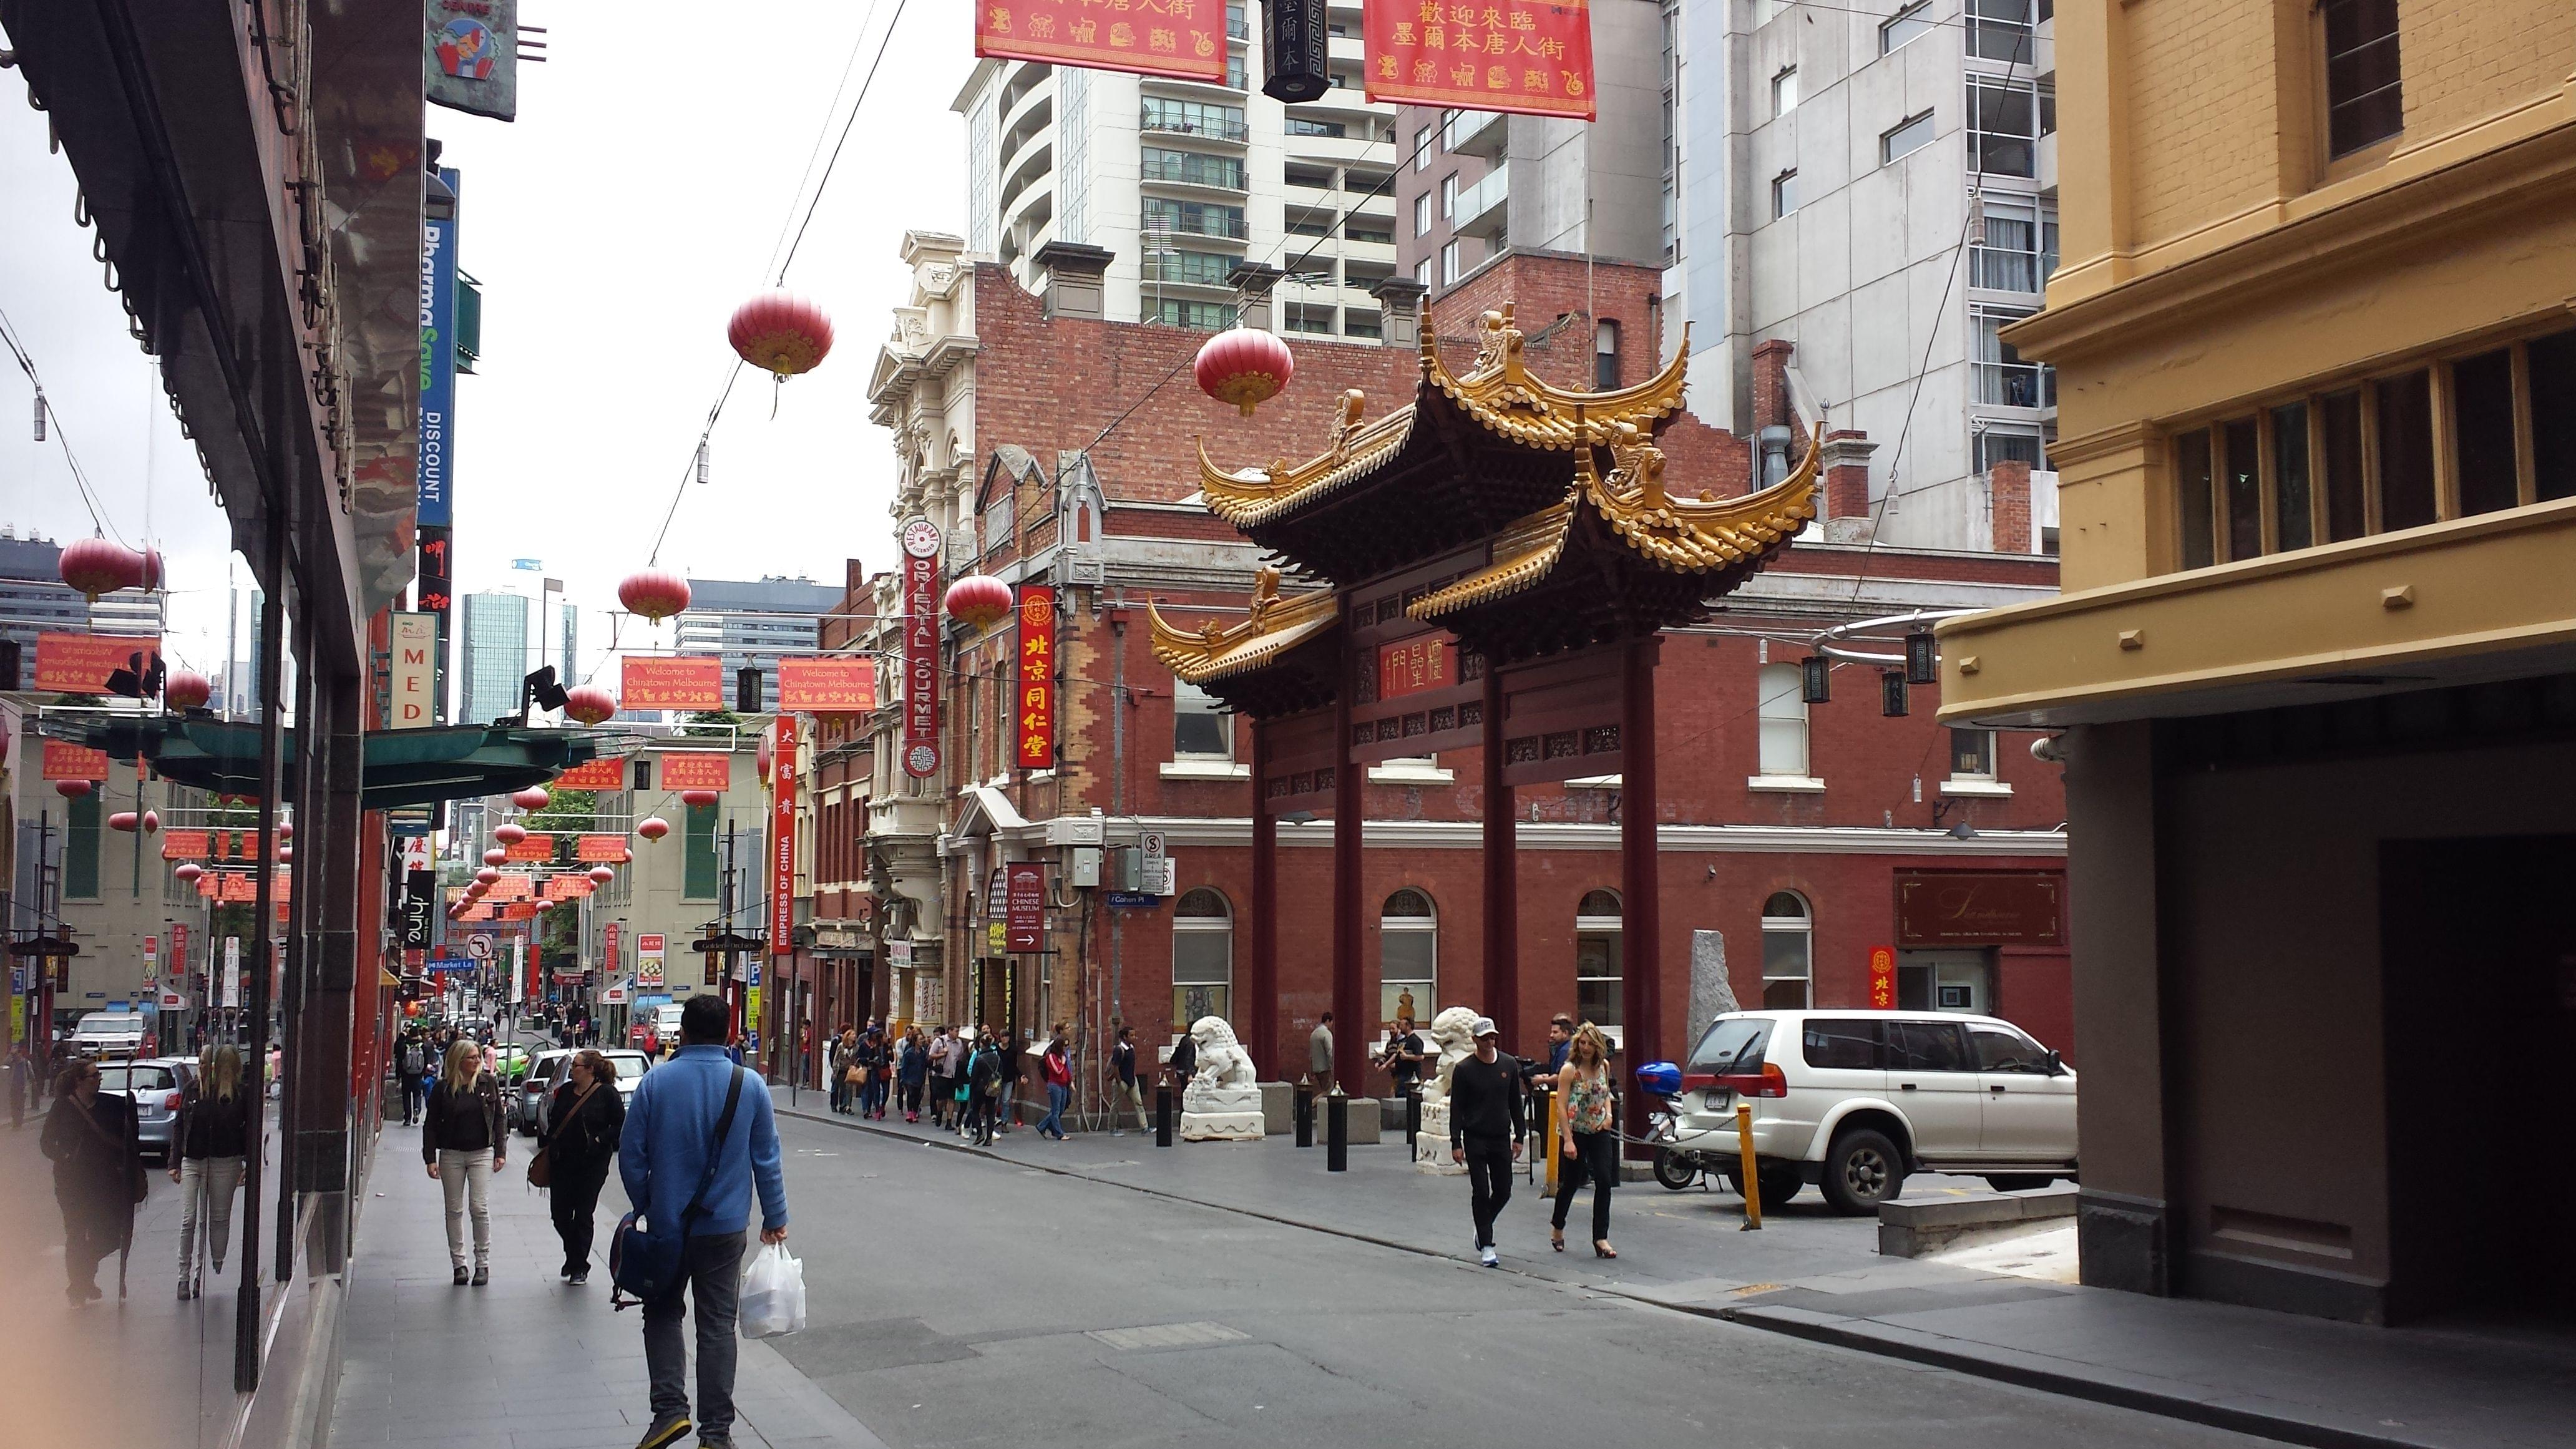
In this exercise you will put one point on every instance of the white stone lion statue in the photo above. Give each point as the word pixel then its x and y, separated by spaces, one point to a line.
pixel 1223 1100
pixel 1223 1062
pixel 1453 1038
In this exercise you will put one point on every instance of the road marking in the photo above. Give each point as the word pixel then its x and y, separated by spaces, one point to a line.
pixel 1168 1335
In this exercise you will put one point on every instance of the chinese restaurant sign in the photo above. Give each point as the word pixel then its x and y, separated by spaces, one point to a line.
pixel 601 774
pixel 699 770
pixel 826 686
pixel 1037 677
pixel 688 681
pixel 921 649
pixel 1490 56
pixel 1184 39
pixel 1414 665
pixel 1882 978
pixel 81 663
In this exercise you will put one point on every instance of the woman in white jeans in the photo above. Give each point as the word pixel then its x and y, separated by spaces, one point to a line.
pixel 213 1135
pixel 463 1142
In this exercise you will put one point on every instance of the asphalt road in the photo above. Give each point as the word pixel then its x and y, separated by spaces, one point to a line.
pixel 963 1301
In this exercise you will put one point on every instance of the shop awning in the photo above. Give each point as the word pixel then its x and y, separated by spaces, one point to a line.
pixel 403 767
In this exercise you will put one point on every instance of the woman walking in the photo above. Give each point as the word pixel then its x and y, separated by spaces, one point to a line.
pixel 587 1115
pixel 98 1174
pixel 214 1136
pixel 1586 1135
pixel 1056 1065
pixel 462 1142
pixel 914 1074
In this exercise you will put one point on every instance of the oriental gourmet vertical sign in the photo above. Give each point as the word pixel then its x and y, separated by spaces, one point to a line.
pixel 921 649
pixel 1184 39
pixel 1489 56
pixel 782 839
pixel 1037 677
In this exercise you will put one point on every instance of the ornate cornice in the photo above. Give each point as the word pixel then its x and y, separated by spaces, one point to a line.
pixel 1273 626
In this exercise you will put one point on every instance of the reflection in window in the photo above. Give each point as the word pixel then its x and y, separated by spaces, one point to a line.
pixel 2364 100
pixel 2191 483
pixel 1200 728
pixel 1788 952
pixel 1408 957
pixel 2290 501
pixel 1910 22
pixel 1912 134
pixel 1598 961
pixel 1202 958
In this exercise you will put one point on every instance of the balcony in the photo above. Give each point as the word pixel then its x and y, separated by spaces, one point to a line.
pixel 1176 168
pixel 2016 384
pixel 1203 223
pixel 1475 133
pixel 1484 208
pixel 1178 122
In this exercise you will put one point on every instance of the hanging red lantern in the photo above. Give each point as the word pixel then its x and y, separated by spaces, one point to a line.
pixel 286 832
pixel 1244 366
pixel 698 798
pixel 532 798
pixel 602 874
pixel 189 871
pixel 780 333
pixel 495 856
pixel 654 594
pixel 652 827
pixel 761 757
pixel 487 875
pixel 509 832
pixel 71 789
pixel 625 856
pixel 96 566
pixel 151 822
pixel 978 600
pixel 589 704
pixel 286 855
pixel 124 820
pixel 148 569
pixel 186 689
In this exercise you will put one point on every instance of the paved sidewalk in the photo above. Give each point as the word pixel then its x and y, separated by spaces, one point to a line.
pixel 527 1362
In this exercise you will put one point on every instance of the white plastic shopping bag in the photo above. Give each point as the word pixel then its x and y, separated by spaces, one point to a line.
pixel 773 1294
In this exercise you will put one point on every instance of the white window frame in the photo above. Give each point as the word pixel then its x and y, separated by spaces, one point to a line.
pixel 1449 196
pixel 1905 27
pixel 1426 1000
pixel 1987 261
pixel 1422 214
pixel 1411 770
pixel 1203 926
pixel 1976 132
pixel 1995 373
pixel 1450 270
pixel 1422 273
pixel 1919 128
pixel 1422 148
pixel 1784 91
pixel 1779 699
pixel 1600 925
pixel 1784 194
pixel 1804 928
pixel 1187 698
pixel 1982 429
pixel 1971 784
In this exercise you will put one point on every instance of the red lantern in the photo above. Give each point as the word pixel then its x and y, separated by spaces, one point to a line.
pixel 532 798
pixel 625 856
pixel 589 704
pixel 1244 366
pixel 781 333
pixel 148 575
pixel 189 871
pixel 285 832
pixel 700 798
pixel 495 856
pixel 654 594
pixel 768 750
pixel 71 789
pixel 95 566
pixel 509 832
pixel 186 689
pixel 602 874
pixel 979 601
pixel 151 822
pixel 286 855
pixel 652 827
pixel 124 820
pixel 487 875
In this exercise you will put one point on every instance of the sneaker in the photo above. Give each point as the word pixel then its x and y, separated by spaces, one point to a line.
pixel 187 1290
pixel 664 1432
pixel 482 1275
pixel 461 1275
pixel 579 1275
pixel 715 1441
pixel 1489 1257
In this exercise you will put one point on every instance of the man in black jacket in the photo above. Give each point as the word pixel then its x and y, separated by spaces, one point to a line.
pixel 1485 1129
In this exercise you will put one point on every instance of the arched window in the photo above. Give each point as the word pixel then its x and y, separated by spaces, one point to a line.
pixel 1788 951
pixel 1202 958
pixel 1408 956
pixel 1598 964
pixel 1783 710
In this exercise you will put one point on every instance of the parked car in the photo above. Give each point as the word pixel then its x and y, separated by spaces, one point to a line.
pixel 631 1067
pixel 510 1063
pixel 107 1034
pixel 157 1085
pixel 1852 1102
pixel 532 1090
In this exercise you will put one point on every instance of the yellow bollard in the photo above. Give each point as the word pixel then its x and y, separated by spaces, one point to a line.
pixel 1553 1131
pixel 1752 1180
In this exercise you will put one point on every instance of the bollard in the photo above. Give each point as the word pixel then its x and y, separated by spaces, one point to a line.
pixel 1554 1134
pixel 1413 1118
pixel 1752 1178
pixel 1162 1114
pixel 1337 1131
pixel 1305 1112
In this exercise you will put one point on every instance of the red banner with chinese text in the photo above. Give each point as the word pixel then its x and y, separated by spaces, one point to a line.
pixel 1415 665
pixel 81 663
pixel 606 774
pixel 567 887
pixel 688 681
pixel 1882 978
pixel 187 844
pixel 519 911
pixel 512 887
pixel 67 761
pixel 698 770
pixel 920 664
pixel 535 848
pixel 782 840
pixel 1489 56
pixel 1184 39
pixel 821 685
pixel 1037 677
pixel 601 849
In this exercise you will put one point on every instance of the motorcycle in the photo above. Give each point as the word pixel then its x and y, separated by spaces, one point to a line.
pixel 1683 1155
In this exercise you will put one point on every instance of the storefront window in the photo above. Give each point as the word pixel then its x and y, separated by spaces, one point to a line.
pixel 1788 952
pixel 1597 959
pixel 1202 958
pixel 1408 956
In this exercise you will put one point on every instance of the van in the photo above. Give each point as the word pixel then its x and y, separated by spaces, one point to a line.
pixel 109 1034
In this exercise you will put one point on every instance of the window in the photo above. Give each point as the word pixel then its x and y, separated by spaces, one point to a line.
pixel 2364 102
pixel 1599 962
pixel 1449 196
pixel 2002 1049
pixel 1784 91
pixel 1784 192
pixel 2292 525
pixel 2549 365
pixel 1422 273
pixel 1927 1046
pixel 1408 957
pixel 2346 514
pixel 1305 126
pixel 1911 134
pixel 2003 379
pixel 1194 118
pixel 1197 316
pixel 1161 164
pixel 2018 250
pixel 1194 218
pixel 1202 958
pixel 1422 149
pixel 1422 214
pixel 1972 754
pixel 2405 416
pixel 1200 728
pixel 1204 269
pixel 1842 1046
pixel 1234 77
pixel 698 868
pixel 2003 128
pixel 2482 432
pixel 81 846
pixel 2000 30
pixel 2008 443
pixel 1783 709
pixel 1912 21
pixel 1605 354
pixel 2241 487
pixel 2191 478
pixel 1449 267
pixel 1361 229
pixel 1788 951
pixel 1732 1044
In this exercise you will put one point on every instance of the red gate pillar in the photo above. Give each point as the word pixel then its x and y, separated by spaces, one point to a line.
pixel 1261 1011
pixel 1502 993
pixel 1350 1023
pixel 1641 933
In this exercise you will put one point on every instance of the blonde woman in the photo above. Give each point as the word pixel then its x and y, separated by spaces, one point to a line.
pixel 1587 1135
pixel 462 1142
pixel 214 1135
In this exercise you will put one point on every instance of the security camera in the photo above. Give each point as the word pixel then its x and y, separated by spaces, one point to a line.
pixel 2049 749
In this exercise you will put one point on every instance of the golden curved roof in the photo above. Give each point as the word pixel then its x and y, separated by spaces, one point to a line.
pixel 1273 626
pixel 1251 497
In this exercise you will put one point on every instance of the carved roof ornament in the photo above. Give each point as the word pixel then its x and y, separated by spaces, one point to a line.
pixel 1271 627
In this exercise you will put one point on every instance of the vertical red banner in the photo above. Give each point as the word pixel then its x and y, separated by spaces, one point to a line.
pixel 782 839
pixel 1882 978
pixel 1488 56
pixel 1037 677
pixel 921 649
pixel 608 952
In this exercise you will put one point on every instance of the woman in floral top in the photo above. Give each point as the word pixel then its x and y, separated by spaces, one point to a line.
pixel 1588 1135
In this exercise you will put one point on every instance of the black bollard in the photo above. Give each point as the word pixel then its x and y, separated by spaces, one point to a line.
pixel 1337 1131
pixel 1412 1117
pixel 1163 1114
pixel 1305 1112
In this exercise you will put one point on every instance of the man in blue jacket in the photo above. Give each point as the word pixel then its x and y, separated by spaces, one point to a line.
pixel 661 1156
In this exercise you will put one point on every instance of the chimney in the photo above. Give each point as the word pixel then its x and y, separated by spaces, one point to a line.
pixel 1253 282
pixel 1074 279
pixel 2008 499
pixel 1845 463
pixel 1771 384
pixel 1399 307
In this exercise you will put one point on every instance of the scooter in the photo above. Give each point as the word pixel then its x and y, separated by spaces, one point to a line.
pixel 1683 1155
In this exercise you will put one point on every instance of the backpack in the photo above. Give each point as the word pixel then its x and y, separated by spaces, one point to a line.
pixel 414 1062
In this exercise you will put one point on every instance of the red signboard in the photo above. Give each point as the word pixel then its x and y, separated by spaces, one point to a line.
pixel 519 911
pixel 67 761
pixel 512 887
pixel 1414 665
pixel 1488 56
pixel 699 770
pixel 1184 39
pixel 782 839
pixel 1037 677
pixel 827 685
pixel 689 681
pixel 187 844
pixel 604 774
pixel 1882 978
pixel 537 848
pixel 599 849
pixel 920 649
pixel 1024 890
pixel 567 887
pixel 608 948
pixel 81 663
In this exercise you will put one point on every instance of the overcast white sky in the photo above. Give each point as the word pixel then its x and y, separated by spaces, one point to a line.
pixel 615 226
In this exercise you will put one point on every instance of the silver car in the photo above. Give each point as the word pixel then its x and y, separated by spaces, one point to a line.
pixel 157 1085
pixel 535 1087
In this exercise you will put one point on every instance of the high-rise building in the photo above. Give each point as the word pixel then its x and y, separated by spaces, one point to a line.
pixel 1878 188
pixel 35 600
pixel 496 639
pixel 752 623
pixel 1181 182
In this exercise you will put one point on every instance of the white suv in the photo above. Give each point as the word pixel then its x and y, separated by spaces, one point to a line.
pixel 1854 1100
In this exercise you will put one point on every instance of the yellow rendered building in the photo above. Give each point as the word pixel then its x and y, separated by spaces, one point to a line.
pixel 2315 335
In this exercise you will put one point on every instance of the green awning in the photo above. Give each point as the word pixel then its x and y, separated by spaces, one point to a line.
pixel 403 767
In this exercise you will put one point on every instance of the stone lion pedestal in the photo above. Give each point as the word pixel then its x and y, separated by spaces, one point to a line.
pixel 1223 1101
pixel 1452 1038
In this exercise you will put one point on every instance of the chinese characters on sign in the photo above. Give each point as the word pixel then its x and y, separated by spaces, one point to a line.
pixel 1527 57
pixel 697 770
pixel 601 849
pixel 648 961
pixel 1184 39
pixel 688 681
pixel 607 773
pixel 782 840
pixel 187 844
pixel 1414 665
pixel 1025 926
pixel 535 847
pixel 1037 677
pixel 1882 978
pixel 921 649
pixel 67 761
pixel 826 686
pixel 81 663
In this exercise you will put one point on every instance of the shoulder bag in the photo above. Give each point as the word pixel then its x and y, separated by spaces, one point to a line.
pixel 647 1260
pixel 541 1168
